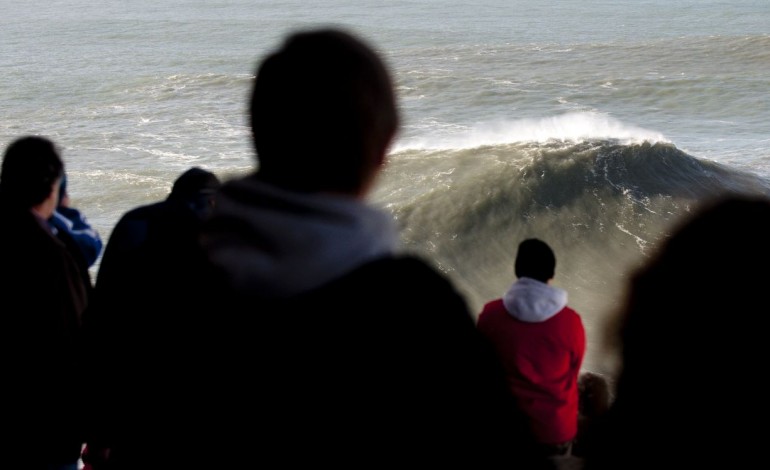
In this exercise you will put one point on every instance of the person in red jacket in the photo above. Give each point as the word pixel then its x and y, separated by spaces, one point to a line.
pixel 541 342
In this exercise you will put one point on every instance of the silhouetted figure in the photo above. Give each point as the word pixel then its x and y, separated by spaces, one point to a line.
pixel 333 349
pixel 541 342
pixel 141 344
pixel 43 297
pixel 691 392
pixel 158 235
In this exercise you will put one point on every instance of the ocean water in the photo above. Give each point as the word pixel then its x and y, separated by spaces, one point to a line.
pixel 594 125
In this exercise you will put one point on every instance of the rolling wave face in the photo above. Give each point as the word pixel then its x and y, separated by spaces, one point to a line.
pixel 602 205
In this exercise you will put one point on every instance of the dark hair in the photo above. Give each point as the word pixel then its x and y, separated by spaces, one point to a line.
pixel 195 189
pixel 30 167
pixel 322 108
pixel 692 351
pixel 710 266
pixel 535 260
pixel 193 183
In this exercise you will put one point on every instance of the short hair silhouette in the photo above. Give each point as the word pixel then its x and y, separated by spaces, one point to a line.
pixel 30 166
pixel 322 109
pixel 691 348
pixel 535 259
pixel 194 182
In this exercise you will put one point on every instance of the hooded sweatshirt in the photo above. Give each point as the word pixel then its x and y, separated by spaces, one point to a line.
pixel 277 244
pixel 324 335
pixel 541 342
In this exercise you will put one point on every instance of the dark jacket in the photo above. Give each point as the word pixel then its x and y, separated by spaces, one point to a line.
pixel 43 297
pixel 333 349
pixel 336 351
pixel 141 337
pixel 381 366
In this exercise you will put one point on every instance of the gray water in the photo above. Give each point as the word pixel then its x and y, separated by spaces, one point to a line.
pixel 491 92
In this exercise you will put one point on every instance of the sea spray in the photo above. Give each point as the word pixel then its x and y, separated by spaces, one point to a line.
pixel 602 205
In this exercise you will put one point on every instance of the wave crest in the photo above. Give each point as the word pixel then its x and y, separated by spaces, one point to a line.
pixel 567 128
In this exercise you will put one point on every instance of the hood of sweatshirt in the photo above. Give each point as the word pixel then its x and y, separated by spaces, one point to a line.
pixel 532 301
pixel 277 243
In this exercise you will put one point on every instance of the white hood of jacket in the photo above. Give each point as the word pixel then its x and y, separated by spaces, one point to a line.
pixel 280 243
pixel 532 301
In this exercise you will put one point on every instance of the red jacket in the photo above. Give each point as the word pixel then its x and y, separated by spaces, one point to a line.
pixel 542 357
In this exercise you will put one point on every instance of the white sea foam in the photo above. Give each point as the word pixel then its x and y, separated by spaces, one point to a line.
pixel 570 127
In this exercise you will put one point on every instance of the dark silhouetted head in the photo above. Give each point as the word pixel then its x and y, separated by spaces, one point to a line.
pixel 323 113
pixel 535 260
pixel 196 188
pixel 708 270
pixel 31 166
pixel 692 348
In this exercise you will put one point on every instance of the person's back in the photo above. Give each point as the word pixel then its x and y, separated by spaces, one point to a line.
pixel 151 241
pixel 334 349
pixel 541 342
pixel 140 346
pixel 43 297
pixel 691 388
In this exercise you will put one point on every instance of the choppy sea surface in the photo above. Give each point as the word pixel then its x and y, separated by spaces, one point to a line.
pixel 593 125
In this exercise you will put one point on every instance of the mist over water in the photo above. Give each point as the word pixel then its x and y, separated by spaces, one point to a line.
pixel 602 194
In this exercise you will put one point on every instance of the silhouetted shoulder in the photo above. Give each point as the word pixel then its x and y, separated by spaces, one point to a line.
pixel 405 285
pixel 405 272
